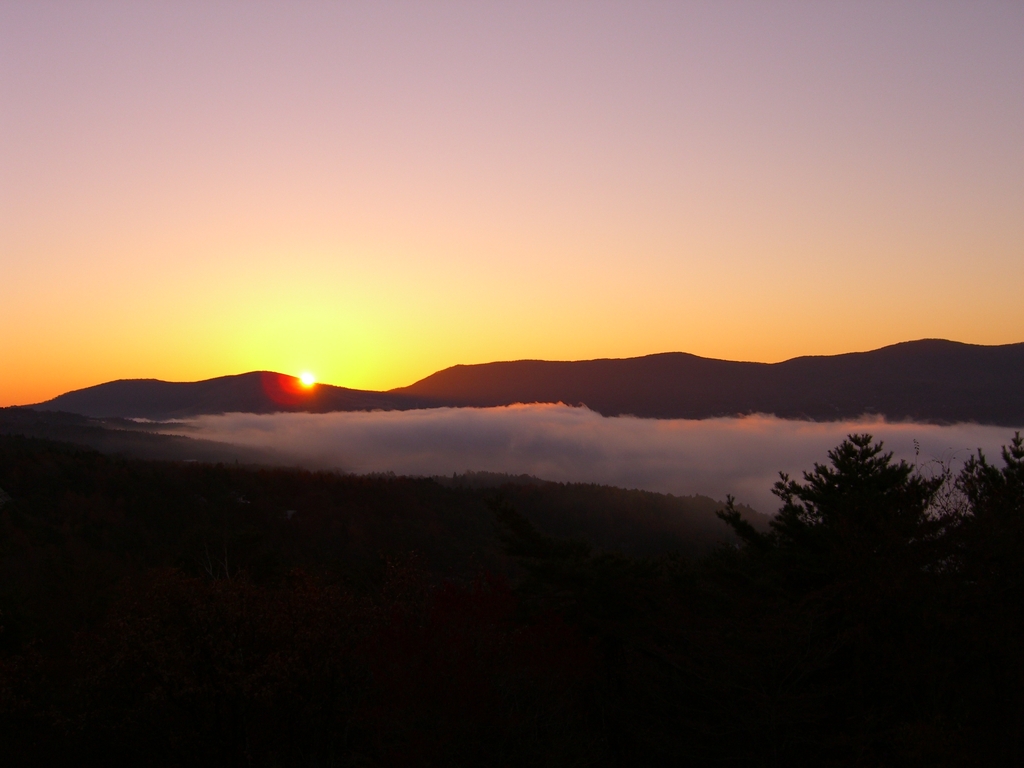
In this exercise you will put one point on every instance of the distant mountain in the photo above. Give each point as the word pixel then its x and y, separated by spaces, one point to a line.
pixel 256 392
pixel 930 380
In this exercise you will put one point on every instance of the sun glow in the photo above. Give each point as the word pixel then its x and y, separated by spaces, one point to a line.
pixel 307 379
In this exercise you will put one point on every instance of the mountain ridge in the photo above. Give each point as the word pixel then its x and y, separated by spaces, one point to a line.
pixel 932 380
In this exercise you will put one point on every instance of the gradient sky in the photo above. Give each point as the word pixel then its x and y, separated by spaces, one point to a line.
pixel 375 191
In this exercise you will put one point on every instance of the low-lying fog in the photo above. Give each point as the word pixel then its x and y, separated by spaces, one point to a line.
pixel 741 456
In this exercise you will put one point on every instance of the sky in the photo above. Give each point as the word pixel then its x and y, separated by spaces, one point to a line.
pixel 375 191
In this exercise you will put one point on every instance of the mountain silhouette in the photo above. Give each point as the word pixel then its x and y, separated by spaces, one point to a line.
pixel 255 392
pixel 929 380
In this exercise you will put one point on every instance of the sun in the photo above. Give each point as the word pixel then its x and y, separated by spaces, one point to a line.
pixel 307 379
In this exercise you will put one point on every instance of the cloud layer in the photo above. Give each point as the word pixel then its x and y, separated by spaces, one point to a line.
pixel 741 456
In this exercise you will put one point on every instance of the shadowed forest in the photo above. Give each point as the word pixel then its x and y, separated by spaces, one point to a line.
pixel 169 613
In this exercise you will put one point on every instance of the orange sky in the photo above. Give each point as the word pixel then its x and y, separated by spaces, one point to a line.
pixel 376 192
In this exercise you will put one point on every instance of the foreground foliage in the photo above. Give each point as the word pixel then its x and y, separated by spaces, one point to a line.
pixel 171 615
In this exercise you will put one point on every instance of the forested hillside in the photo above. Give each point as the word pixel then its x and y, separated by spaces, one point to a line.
pixel 188 614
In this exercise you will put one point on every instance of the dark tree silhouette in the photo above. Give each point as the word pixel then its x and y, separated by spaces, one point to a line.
pixel 994 531
pixel 859 516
